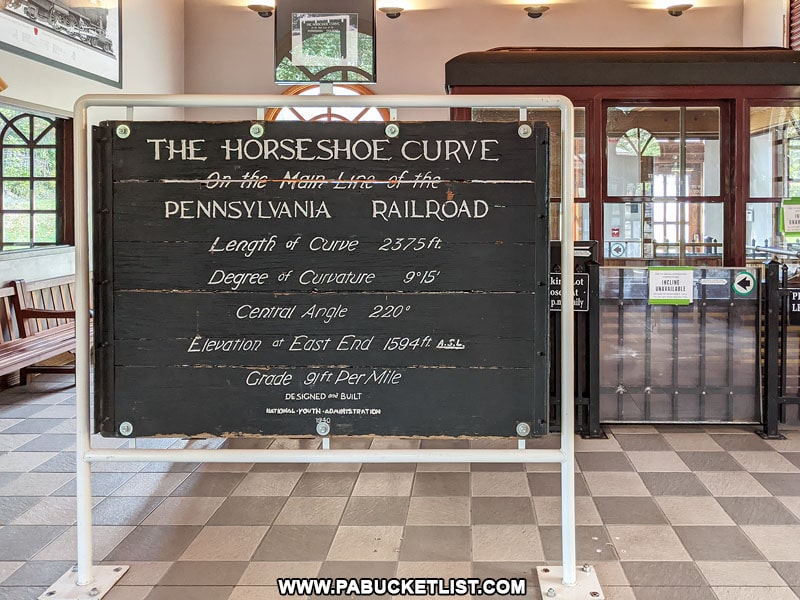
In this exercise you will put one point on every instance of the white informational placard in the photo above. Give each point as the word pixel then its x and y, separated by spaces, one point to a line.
pixel 791 218
pixel 671 285
pixel 325 40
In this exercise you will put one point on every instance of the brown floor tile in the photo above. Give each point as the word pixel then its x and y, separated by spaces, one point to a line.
pixel 588 539
pixel 434 569
pixel 433 444
pixel 37 572
pixel 506 543
pixel 311 511
pixel 502 511
pixel 496 467
pixel 366 543
pixel 184 510
pixel 21 593
pixel 129 510
pixel 692 593
pixel 384 484
pixel 603 461
pixel 674 484
pixel 171 467
pixel 171 592
pixel 248 510
pixel 741 442
pixel 267 573
pixel 642 442
pixel 435 543
pixel 507 570
pixel 204 573
pixel 758 511
pixel 225 542
pixel 155 543
pixel 647 542
pixel 439 510
pixel 780 484
pixel 23 542
pixel 279 468
pixel 793 457
pixel 388 467
pixel 208 485
pixel 693 510
pixel 549 484
pixel 441 484
pixel 295 543
pixel 710 461
pixel 614 483
pixel 503 483
pixel 267 484
pixel 325 484
pixel 739 573
pixel 776 542
pixel 717 543
pixel 144 573
pixel 668 574
pixel 790 571
pixel 376 510
pixel 629 511
pixel 355 569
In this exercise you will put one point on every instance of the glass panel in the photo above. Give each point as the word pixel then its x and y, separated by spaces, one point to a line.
pixel 581 229
pixel 44 162
pixel 678 363
pixel 553 119
pixel 663 151
pixel 44 195
pixel 684 232
pixel 774 152
pixel 41 125
pixel 44 228
pixel 16 162
pixel 12 138
pixel 16 195
pixel 23 124
pixel 17 228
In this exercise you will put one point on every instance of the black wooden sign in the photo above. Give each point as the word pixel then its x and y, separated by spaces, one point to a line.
pixel 261 280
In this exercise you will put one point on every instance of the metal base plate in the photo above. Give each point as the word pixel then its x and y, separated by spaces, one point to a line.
pixel 586 588
pixel 764 436
pixel 67 588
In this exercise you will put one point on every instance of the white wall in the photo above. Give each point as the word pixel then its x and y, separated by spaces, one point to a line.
pixel 413 49
pixel 152 52
pixel 764 22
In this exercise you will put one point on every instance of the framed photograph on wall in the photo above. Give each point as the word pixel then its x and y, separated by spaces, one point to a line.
pixel 325 40
pixel 80 36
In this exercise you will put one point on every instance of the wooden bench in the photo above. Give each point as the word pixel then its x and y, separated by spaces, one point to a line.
pixel 37 323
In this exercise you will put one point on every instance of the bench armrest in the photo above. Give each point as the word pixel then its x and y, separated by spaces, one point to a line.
pixel 42 313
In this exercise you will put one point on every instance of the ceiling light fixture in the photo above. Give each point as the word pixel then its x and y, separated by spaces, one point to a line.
pixel 391 11
pixel 676 10
pixel 3 84
pixel 263 10
pixel 537 10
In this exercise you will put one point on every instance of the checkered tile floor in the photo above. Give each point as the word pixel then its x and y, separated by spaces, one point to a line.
pixel 663 512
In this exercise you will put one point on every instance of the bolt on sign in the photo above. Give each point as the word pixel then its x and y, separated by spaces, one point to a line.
pixel 289 278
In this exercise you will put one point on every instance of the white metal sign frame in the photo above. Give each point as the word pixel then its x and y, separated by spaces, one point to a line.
pixel 95 581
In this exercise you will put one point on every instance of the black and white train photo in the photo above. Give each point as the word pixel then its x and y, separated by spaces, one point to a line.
pixel 85 21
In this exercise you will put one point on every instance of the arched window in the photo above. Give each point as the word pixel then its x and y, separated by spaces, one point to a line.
pixel 351 114
pixel 28 178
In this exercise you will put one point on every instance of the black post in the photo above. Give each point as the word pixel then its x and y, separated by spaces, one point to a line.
pixel 770 400
pixel 593 429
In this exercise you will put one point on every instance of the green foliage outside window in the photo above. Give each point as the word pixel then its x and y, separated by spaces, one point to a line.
pixel 28 168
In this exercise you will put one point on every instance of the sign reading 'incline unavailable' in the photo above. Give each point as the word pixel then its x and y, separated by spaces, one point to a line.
pixel 264 280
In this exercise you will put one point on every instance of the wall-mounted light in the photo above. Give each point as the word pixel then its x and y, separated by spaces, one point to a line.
pixel 537 10
pixel 3 84
pixel 676 10
pixel 391 11
pixel 263 10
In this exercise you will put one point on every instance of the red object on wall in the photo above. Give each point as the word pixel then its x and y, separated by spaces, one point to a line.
pixel 615 232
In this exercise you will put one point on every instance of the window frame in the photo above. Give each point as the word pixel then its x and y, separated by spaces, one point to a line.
pixel 64 177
